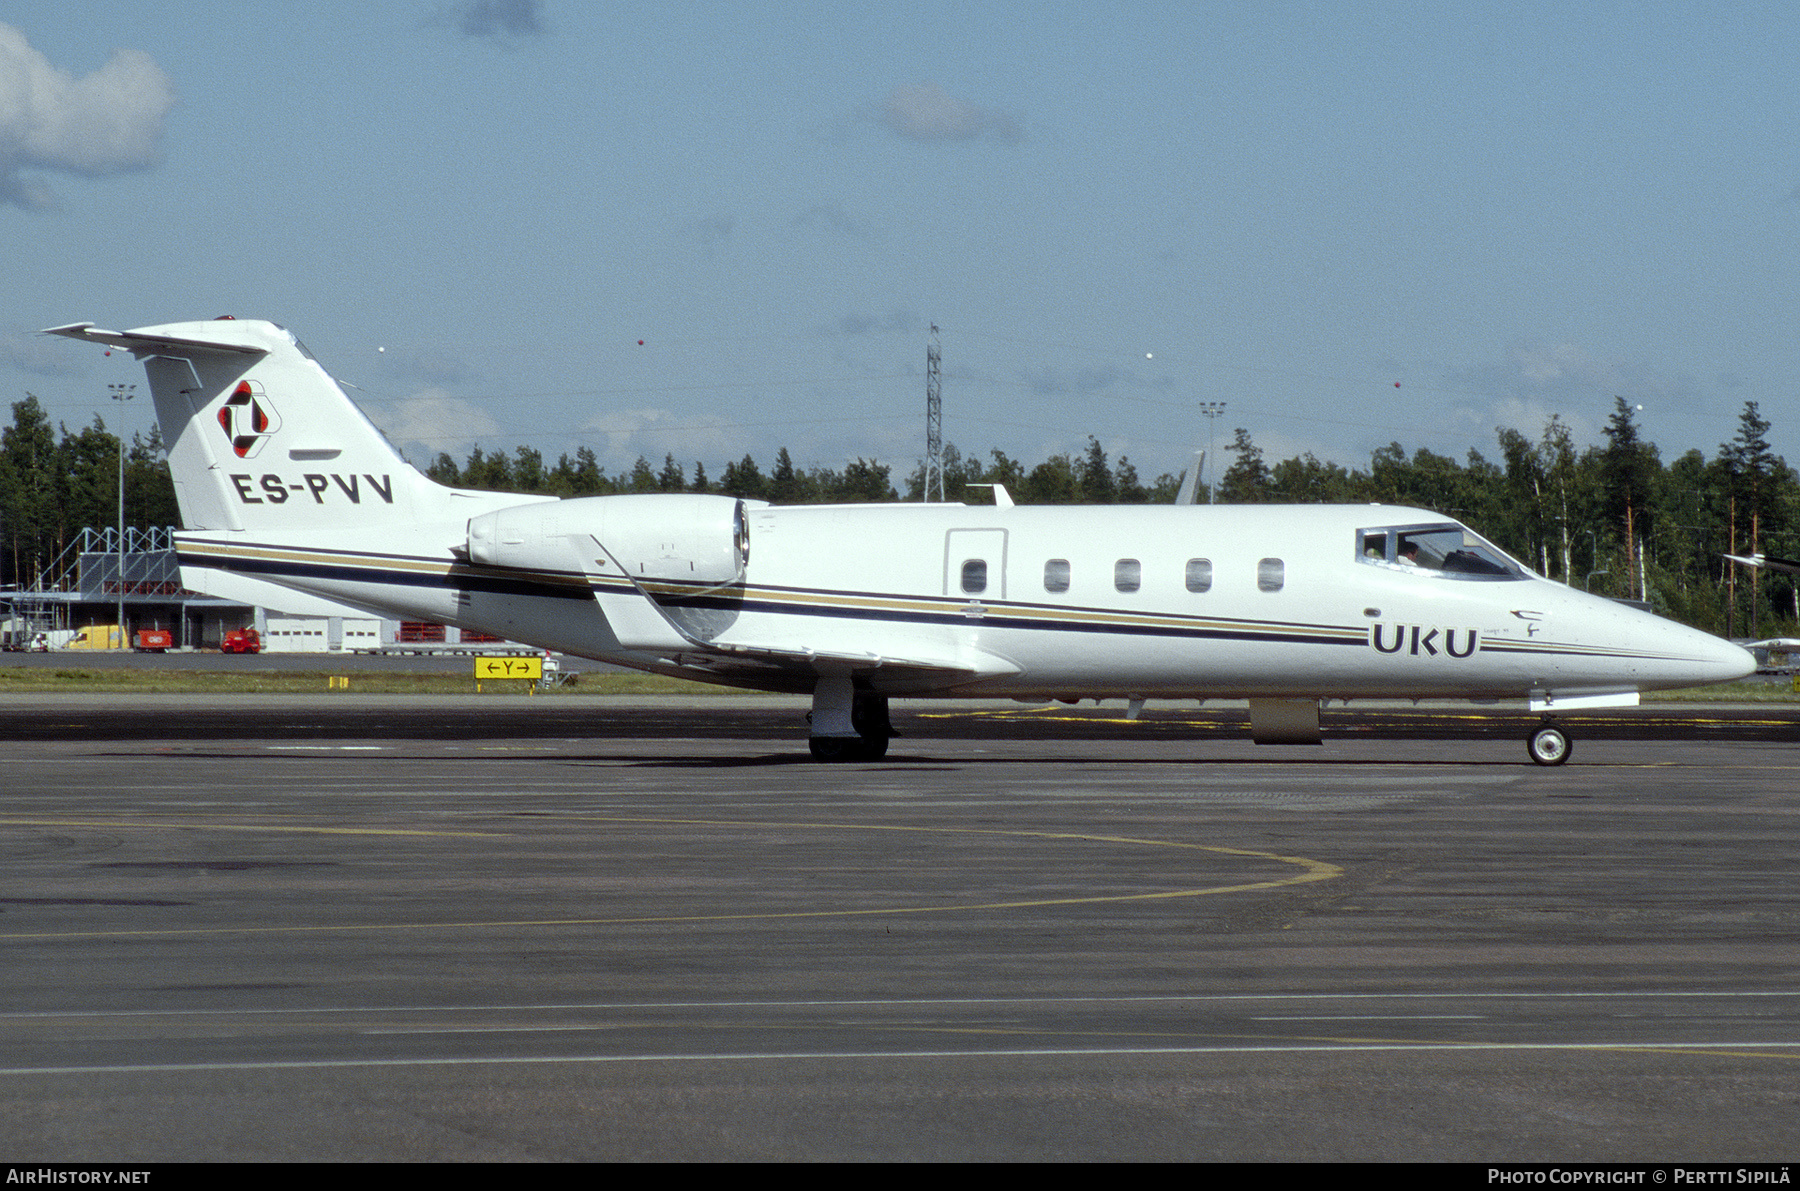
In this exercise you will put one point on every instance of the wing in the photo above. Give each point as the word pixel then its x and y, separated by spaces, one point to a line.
pixel 641 624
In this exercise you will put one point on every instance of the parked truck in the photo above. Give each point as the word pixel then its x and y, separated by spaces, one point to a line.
pixel 96 636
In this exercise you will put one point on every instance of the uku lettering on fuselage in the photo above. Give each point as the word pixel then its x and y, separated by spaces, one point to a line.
pixel 285 487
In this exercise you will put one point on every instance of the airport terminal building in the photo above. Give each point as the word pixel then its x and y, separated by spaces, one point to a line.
pixel 103 580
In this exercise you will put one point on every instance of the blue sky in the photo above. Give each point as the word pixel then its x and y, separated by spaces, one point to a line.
pixel 473 212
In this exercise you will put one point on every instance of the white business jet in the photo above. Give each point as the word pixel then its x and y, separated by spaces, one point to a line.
pixel 282 481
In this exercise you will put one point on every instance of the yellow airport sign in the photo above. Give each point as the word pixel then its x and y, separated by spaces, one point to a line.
pixel 509 669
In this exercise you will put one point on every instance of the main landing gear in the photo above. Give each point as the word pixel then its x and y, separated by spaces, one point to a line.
pixel 1549 743
pixel 847 724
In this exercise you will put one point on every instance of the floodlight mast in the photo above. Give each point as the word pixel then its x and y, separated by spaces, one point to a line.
pixel 1213 410
pixel 122 394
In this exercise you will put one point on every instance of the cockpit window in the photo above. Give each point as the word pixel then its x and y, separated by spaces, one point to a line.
pixel 1448 551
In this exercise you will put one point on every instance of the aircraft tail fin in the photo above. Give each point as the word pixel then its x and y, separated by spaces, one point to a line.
pixel 261 437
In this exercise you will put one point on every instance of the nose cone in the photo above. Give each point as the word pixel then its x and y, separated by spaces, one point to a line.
pixel 1626 648
pixel 1725 662
pixel 1693 658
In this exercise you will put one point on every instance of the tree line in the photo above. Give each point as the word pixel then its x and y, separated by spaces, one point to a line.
pixel 1612 518
pixel 581 475
pixel 54 483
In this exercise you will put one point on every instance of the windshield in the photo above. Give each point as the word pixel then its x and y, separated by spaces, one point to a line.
pixel 1445 550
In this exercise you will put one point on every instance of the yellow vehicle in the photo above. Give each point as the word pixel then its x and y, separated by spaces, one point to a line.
pixel 96 636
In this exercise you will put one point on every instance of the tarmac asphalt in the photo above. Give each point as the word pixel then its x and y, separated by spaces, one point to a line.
pixel 577 928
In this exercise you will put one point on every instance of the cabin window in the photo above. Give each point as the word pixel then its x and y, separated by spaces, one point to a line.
pixel 1056 575
pixel 1271 573
pixel 1199 574
pixel 1128 574
pixel 974 576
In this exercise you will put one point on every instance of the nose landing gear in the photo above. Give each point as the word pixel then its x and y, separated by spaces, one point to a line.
pixel 1549 744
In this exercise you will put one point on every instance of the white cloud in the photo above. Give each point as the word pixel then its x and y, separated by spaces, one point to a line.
pixel 1529 417
pixel 836 219
pixel 433 421
pixel 1568 372
pixel 432 365
pixel 1565 364
pixel 1576 384
pixel 928 113
pixel 1047 381
pixel 37 354
pixel 106 122
pixel 895 322
pixel 709 232
pixel 498 18
pixel 654 433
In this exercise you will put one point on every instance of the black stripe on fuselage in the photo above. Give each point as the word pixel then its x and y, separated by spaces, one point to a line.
pixel 997 616
pixel 456 578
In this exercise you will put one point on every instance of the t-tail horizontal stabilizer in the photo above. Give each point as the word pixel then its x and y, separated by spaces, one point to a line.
pixel 149 342
pixel 262 439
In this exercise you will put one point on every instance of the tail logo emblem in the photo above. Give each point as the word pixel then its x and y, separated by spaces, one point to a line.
pixel 247 418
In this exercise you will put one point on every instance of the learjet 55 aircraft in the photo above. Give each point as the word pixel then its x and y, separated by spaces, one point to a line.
pixel 285 487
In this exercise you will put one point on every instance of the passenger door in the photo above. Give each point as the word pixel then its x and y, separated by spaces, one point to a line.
pixel 975 564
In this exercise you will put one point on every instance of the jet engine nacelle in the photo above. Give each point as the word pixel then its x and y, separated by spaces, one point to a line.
pixel 680 538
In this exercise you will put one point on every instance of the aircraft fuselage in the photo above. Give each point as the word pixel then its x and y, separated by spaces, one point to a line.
pixel 1040 601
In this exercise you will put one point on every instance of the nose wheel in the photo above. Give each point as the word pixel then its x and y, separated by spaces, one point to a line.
pixel 1549 745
